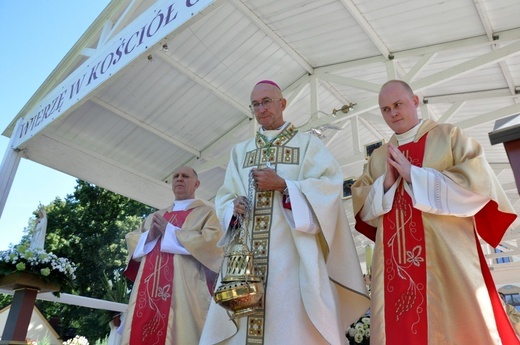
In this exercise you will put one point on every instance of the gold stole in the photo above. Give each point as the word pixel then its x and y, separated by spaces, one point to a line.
pixel 267 153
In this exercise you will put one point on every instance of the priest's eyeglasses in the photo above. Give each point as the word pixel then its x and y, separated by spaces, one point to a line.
pixel 266 103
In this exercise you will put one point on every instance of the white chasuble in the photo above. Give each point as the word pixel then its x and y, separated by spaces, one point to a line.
pixel 314 286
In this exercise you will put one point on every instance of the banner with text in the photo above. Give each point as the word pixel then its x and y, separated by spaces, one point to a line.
pixel 147 30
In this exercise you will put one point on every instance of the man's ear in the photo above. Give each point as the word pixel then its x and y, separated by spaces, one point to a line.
pixel 416 100
pixel 283 103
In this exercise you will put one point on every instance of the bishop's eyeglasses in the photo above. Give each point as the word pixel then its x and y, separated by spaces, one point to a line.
pixel 266 103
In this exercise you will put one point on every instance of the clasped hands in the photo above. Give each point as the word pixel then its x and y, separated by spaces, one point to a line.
pixel 264 179
pixel 157 228
pixel 397 166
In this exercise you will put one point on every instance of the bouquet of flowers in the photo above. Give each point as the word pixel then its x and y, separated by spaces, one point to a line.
pixel 77 340
pixel 49 267
pixel 359 331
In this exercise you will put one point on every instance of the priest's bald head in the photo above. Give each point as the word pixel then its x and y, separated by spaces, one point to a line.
pixel 268 104
pixel 185 182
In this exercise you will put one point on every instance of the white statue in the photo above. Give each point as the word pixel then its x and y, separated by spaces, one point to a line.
pixel 38 236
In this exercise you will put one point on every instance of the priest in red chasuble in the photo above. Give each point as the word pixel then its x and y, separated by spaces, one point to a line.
pixel 427 198
pixel 174 259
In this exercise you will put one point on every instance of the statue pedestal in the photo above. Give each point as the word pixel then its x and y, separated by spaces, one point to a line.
pixel 25 286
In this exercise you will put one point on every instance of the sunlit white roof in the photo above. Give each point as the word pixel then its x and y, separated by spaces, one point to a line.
pixel 183 99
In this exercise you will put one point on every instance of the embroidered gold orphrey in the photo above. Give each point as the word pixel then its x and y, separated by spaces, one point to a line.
pixel 266 154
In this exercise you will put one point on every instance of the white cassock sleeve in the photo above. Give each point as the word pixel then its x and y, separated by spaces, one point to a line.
pixel 169 243
pixel 378 202
pixel 431 192
pixel 300 217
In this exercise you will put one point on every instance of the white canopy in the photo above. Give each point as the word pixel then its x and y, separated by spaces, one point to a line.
pixel 153 85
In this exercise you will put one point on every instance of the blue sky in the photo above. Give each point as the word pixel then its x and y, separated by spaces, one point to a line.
pixel 34 38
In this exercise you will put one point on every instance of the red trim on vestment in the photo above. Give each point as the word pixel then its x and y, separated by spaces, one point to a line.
pixel 492 224
pixel 366 229
pixel 286 202
pixel 154 298
pixel 131 270
pixel 150 318
pixel 405 262
pixel 505 329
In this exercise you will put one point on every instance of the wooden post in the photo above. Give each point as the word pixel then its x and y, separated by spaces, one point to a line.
pixel 15 330
pixel 26 287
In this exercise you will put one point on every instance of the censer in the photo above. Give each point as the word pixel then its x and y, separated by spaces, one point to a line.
pixel 241 288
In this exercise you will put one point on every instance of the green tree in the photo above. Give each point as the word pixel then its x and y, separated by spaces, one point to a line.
pixel 5 300
pixel 89 228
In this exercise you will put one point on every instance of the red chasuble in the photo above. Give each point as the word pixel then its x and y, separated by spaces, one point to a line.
pixel 405 264
pixel 405 269
pixel 154 298
pixel 408 299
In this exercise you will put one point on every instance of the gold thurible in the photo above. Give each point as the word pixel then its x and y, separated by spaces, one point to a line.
pixel 241 288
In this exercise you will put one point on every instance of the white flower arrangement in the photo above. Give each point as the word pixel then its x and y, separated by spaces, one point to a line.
pixel 49 267
pixel 77 340
pixel 359 331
